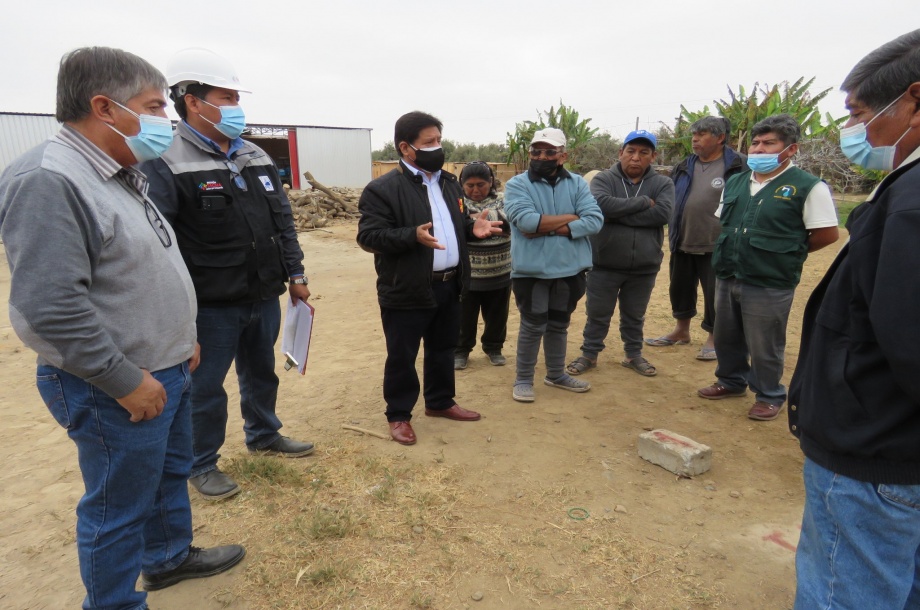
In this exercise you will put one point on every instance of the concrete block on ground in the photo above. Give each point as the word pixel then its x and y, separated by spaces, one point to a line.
pixel 671 451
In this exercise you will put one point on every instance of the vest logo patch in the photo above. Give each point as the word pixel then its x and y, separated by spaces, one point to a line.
pixel 785 192
pixel 210 185
pixel 718 183
pixel 267 183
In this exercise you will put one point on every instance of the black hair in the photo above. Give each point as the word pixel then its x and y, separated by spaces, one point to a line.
pixel 199 90
pixel 783 125
pixel 479 169
pixel 409 126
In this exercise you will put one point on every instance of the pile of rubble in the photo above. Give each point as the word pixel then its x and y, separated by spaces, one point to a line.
pixel 318 206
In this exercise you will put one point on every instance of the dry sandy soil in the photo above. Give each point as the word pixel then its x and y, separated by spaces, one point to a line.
pixel 477 509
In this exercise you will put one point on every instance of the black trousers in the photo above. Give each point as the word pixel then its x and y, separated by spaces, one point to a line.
pixel 494 306
pixel 405 329
pixel 687 272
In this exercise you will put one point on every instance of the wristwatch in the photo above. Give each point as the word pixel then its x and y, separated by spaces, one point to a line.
pixel 301 281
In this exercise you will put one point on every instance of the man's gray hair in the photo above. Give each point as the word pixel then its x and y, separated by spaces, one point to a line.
pixel 90 71
pixel 713 125
pixel 885 73
pixel 783 125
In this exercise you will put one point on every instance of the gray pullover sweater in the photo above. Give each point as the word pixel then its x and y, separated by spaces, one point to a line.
pixel 631 238
pixel 93 290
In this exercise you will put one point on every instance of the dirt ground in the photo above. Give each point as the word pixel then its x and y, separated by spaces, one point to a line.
pixel 506 483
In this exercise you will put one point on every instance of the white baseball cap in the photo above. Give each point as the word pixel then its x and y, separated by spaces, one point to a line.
pixel 550 135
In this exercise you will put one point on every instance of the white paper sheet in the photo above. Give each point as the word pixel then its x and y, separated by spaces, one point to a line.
pixel 295 339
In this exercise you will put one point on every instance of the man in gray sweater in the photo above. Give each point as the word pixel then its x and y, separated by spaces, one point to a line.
pixel 636 203
pixel 99 290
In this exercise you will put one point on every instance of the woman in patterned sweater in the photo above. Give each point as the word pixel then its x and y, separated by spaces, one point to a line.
pixel 490 284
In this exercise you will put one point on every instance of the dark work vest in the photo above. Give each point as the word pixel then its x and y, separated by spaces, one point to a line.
pixel 764 241
pixel 230 237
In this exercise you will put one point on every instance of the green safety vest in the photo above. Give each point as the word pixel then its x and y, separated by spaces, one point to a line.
pixel 764 241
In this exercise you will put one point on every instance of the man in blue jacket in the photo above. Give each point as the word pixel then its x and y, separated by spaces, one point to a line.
pixel 693 229
pixel 552 215
pixel 855 394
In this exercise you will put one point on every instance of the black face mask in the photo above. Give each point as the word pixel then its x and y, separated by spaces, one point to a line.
pixel 429 160
pixel 545 168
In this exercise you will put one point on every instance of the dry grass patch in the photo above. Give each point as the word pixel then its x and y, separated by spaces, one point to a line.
pixel 350 530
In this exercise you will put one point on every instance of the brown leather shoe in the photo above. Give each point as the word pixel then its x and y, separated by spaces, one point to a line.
pixel 456 413
pixel 718 391
pixel 402 432
pixel 764 411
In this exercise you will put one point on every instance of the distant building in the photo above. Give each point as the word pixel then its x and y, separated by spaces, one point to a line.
pixel 335 156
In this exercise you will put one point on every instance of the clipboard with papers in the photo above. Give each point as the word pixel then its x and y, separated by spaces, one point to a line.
pixel 295 338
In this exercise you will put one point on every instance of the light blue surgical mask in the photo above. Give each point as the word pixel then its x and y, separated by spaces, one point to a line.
pixel 232 120
pixel 764 163
pixel 153 139
pixel 857 149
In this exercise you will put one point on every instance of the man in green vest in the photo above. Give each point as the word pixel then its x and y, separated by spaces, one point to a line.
pixel 771 217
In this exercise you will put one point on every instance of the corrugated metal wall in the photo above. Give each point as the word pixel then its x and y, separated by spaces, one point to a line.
pixel 21 132
pixel 335 157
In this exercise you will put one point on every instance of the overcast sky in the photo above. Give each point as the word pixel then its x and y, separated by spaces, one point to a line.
pixel 480 66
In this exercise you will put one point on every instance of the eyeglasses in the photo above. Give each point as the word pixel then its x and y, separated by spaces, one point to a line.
pixel 238 179
pixel 545 153
pixel 153 217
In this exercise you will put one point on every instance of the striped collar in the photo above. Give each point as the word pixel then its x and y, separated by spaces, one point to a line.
pixel 105 165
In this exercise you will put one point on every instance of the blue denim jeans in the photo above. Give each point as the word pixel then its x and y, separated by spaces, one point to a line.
pixel 751 324
pixel 860 544
pixel 605 289
pixel 246 333
pixel 135 514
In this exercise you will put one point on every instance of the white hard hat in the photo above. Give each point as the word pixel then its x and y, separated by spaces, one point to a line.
pixel 197 65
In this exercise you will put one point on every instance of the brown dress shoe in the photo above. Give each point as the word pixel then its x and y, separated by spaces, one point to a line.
pixel 402 432
pixel 456 412
pixel 718 391
pixel 764 411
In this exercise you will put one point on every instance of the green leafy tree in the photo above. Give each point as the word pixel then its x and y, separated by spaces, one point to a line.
pixel 600 152
pixel 577 132
pixel 745 109
pixel 387 153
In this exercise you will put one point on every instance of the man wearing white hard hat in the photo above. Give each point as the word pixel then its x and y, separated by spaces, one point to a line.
pixel 234 227
pixel 552 214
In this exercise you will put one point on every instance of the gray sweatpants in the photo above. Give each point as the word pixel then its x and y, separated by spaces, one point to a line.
pixel 546 307
pixel 605 289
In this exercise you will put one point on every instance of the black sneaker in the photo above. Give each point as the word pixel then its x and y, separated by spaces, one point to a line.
pixel 496 358
pixel 285 447
pixel 199 564
pixel 460 362
pixel 215 485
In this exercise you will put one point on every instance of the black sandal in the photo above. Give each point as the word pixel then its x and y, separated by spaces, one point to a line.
pixel 580 365
pixel 641 366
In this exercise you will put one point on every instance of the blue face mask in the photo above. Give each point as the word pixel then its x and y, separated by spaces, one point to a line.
pixel 153 139
pixel 232 120
pixel 764 163
pixel 857 149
